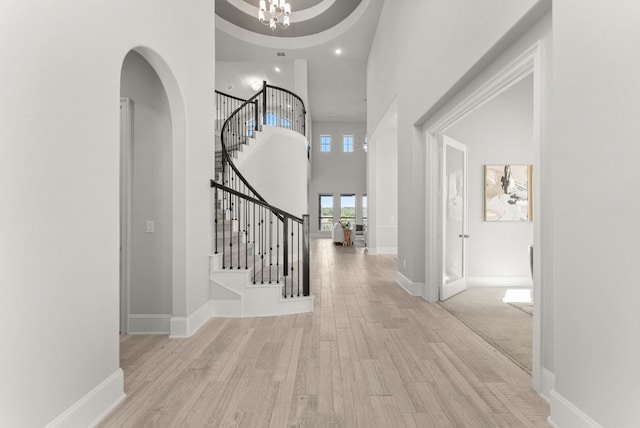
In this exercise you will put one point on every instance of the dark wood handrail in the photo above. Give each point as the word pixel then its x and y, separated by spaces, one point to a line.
pixel 260 202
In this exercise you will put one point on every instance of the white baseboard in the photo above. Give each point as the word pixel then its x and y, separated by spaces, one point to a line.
pixel 566 414
pixel 226 308
pixel 320 235
pixel 149 324
pixel 413 288
pixel 499 281
pixel 94 406
pixel 547 383
pixel 182 327
pixel 379 251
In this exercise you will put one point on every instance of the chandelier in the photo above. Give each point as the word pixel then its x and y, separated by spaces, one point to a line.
pixel 277 13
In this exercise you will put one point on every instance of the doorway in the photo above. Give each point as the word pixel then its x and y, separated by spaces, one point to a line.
pixel 146 200
pixel 527 65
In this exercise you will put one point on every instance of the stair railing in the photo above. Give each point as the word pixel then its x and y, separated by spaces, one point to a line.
pixel 271 241
pixel 243 216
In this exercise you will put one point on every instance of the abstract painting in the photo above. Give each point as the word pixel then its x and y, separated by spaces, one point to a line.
pixel 507 192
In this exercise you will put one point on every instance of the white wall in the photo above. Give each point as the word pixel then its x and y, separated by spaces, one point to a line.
pixel 151 256
pixel 382 185
pixel 59 180
pixel 453 61
pixel 241 74
pixel 596 152
pixel 499 132
pixel 336 172
pixel 275 164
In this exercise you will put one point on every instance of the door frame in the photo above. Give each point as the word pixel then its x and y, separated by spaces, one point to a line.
pixel 530 62
pixel 125 212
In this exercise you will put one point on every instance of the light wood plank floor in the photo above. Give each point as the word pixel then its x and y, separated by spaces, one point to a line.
pixel 369 356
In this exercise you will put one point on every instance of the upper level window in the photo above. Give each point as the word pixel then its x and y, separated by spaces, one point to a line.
pixel 325 143
pixel 347 143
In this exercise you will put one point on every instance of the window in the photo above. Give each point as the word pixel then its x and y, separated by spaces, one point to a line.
pixel 325 217
pixel 348 208
pixel 364 211
pixel 325 143
pixel 347 143
pixel 251 128
pixel 271 119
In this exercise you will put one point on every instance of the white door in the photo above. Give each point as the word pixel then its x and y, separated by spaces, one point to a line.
pixel 454 218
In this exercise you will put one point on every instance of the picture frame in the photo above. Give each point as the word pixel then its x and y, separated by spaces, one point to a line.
pixel 508 192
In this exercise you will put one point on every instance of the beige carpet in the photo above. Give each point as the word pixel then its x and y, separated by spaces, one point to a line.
pixel 506 327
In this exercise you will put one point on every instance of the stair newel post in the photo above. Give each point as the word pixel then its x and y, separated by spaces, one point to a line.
pixel 238 220
pixel 264 102
pixel 278 251
pixel 224 217
pixel 285 250
pixel 305 254
pixel 253 250
pixel 215 219
pixel 270 244
pixel 247 225
pixel 293 242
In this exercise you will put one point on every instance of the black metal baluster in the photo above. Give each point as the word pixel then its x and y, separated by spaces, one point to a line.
pixel 215 219
pixel 305 254
pixel 247 225
pixel 298 258
pixel 253 250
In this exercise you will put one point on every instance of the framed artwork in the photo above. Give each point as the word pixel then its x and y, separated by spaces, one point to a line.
pixel 507 192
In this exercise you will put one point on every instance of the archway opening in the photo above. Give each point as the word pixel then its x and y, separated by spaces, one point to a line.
pixel 146 200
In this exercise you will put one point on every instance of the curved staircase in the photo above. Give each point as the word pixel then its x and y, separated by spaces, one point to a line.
pixel 261 261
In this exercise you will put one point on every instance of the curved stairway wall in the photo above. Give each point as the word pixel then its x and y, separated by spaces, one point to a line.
pixel 275 162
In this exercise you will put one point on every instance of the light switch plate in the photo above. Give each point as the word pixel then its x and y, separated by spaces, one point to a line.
pixel 151 226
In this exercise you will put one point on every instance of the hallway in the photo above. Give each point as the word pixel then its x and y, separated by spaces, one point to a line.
pixel 370 355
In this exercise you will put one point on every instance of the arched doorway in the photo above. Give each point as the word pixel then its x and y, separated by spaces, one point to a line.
pixel 146 200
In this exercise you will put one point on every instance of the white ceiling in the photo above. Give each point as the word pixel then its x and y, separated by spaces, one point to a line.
pixel 337 83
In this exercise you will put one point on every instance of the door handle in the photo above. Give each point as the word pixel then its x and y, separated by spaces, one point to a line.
pixel 463 236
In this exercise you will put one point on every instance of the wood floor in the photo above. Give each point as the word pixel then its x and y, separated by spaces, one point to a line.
pixel 369 356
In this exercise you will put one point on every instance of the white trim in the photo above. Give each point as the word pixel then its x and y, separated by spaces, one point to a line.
pixel 413 288
pixel 547 383
pixel 294 42
pixel 500 281
pixel 529 62
pixel 125 212
pixel 182 327
pixel 296 16
pixel 515 71
pixel 93 407
pixel 382 251
pixel 149 323
pixel 565 414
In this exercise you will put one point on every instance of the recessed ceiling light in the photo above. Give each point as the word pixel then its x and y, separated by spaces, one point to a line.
pixel 277 69
pixel 338 51
pixel 256 85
